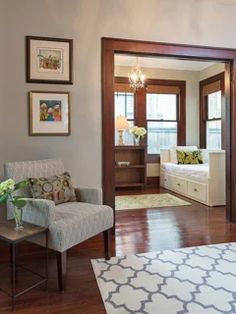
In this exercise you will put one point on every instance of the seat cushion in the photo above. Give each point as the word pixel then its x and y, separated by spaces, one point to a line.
pixel 76 221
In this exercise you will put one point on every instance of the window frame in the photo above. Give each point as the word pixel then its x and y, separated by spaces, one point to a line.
pixel 180 112
pixel 156 156
pixel 140 108
pixel 121 85
pixel 204 107
pixel 128 119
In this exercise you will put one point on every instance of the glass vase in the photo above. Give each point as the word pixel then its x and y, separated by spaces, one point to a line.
pixel 137 140
pixel 18 216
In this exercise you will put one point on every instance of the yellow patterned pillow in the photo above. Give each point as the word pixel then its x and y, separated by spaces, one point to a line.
pixel 56 188
pixel 189 158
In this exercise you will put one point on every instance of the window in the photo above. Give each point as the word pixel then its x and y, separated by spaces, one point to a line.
pixel 124 106
pixel 211 95
pixel 160 108
pixel 213 122
pixel 161 114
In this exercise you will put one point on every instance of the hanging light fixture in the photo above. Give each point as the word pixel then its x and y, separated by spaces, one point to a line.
pixel 136 77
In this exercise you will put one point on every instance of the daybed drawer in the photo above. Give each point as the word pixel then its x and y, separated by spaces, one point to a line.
pixel 166 180
pixel 197 190
pixel 180 185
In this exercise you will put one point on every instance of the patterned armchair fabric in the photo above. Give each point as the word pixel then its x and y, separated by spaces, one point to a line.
pixel 69 223
pixel 93 196
pixel 25 169
pixel 39 211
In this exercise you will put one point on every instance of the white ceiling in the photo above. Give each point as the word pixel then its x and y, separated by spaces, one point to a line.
pixel 161 63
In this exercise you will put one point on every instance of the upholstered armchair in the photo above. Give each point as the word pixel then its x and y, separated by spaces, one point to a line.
pixel 69 223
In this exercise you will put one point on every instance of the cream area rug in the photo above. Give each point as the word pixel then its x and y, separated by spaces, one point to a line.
pixel 148 201
pixel 197 280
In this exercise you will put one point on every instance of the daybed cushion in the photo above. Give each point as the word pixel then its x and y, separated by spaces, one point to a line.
pixel 173 154
pixel 198 173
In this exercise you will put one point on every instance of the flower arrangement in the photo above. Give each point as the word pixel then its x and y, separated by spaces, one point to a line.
pixel 7 189
pixel 138 133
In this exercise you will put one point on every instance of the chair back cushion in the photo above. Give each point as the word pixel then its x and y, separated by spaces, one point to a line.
pixel 26 169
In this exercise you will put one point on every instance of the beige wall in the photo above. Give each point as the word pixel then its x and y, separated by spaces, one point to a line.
pixel 211 71
pixel 199 22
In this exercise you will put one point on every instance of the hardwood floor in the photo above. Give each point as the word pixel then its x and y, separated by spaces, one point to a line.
pixel 137 231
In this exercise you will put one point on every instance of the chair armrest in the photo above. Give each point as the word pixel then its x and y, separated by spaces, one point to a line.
pixel 88 195
pixel 39 212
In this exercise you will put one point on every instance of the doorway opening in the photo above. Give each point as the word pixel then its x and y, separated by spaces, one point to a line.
pixel 166 108
pixel 112 47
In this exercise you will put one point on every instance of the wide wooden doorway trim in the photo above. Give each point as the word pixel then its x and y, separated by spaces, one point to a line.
pixel 110 46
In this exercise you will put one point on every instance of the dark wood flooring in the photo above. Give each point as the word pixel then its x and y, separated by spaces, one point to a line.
pixel 137 231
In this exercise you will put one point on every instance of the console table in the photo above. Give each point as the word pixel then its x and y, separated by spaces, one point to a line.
pixel 9 235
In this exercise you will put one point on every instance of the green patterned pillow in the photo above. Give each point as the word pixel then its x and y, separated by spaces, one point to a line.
pixel 189 158
pixel 56 188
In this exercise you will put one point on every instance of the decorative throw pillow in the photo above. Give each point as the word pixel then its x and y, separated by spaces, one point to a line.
pixel 56 188
pixel 173 153
pixel 189 158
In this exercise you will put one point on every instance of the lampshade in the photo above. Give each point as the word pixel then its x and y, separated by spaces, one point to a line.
pixel 121 123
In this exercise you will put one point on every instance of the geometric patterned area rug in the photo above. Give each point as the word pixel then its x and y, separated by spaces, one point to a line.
pixel 148 201
pixel 196 280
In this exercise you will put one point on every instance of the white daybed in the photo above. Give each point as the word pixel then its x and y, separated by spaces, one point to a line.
pixel 204 183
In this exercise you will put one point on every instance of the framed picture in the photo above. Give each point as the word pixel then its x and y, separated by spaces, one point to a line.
pixel 49 60
pixel 49 113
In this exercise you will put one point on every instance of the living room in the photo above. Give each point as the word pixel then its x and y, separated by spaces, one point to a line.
pixel 152 255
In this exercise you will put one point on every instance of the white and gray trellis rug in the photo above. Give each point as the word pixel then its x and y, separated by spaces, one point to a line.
pixel 197 280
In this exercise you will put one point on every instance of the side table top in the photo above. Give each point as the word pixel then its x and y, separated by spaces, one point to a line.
pixel 10 235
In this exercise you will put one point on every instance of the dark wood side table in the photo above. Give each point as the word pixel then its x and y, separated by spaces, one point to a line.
pixel 9 235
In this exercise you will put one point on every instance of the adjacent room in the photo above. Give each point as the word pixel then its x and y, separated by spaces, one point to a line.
pixel 177 106
pixel 118 154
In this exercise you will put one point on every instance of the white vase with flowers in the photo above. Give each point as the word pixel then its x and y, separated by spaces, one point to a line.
pixel 138 133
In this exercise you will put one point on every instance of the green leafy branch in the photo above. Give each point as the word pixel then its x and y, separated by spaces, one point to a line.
pixel 7 189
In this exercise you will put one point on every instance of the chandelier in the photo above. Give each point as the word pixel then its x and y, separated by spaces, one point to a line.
pixel 136 78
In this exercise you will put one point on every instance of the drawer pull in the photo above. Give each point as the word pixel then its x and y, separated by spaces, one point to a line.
pixel 195 190
pixel 178 184
pixel 165 180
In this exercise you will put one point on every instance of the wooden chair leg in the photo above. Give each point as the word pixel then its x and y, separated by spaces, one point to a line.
pixel 107 243
pixel 61 270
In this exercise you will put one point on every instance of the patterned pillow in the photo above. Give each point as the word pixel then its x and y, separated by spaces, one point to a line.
pixel 56 188
pixel 189 158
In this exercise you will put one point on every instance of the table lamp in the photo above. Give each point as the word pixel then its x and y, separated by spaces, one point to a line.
pixel 121 124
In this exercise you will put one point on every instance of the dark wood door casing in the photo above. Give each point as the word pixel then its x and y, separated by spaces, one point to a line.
pixel 110 46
